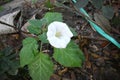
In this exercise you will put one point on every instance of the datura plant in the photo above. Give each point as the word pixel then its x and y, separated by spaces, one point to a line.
pixel 49 30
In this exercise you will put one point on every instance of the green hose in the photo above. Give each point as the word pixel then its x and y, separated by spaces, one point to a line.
pixel 98 29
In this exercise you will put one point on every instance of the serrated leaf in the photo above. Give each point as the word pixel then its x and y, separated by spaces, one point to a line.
pixel 53 16
pixel 43 38
pixel 41 68
pixel 108 11
pixel 103 22
pixel 36 25
pixel 28 52
pixel 97 3
pixel 34 29
pixel 71 56
pixel 81 3
pixel 36 22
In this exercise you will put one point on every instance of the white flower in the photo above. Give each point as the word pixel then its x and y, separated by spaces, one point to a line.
pixel 59 35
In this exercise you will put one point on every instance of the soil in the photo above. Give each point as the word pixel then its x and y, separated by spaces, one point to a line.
pixel 102 57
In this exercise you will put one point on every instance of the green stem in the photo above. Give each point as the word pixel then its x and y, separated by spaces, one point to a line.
pixel 41 47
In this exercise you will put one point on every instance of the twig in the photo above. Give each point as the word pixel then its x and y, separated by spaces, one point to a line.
pixel 13 27
pixel 88 37
pixel 115 30
pixel 7 24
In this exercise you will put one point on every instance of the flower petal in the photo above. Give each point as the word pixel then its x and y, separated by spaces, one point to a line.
pixel 63 28
pixel 65 34
pixel 51 30
pixel 59 42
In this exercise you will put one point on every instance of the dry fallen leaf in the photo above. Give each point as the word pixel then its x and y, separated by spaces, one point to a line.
pixel 8 18
pixel 63 71
pixel 73 77
pixel 24 27
pixel 55 77
pixel 102 22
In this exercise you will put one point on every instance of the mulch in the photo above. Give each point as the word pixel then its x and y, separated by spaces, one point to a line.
pixel 102 57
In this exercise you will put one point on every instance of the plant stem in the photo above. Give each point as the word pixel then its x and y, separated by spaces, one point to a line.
pixel 41 47
pixel 1 22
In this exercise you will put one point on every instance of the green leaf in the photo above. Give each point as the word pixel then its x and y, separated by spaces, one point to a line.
pixel 36 25
pixel 53 16
pixel 28 52
pixel 8 63
pixel 108 11
pixel 34 29
pixel 71 56
pixel 37 22
pixel 81 3
pixel 41 68
pixel 43 38
pixel 97 3
pixel 49 4
pixel 13 67
pixel 4 65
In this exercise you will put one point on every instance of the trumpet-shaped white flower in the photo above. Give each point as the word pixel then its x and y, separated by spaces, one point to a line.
pixel 59 35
